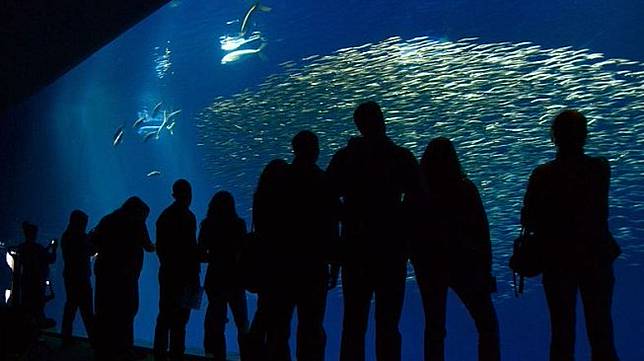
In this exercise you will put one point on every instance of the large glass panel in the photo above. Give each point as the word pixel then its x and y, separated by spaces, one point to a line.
pixel 234 90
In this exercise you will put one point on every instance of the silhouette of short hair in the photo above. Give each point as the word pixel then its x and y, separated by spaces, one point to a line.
pixel 30 231
pixel 181 189
pixel 369 119
pixel 77 220
pixel 440 160
pixel 306 145
pixel 222 204
pixel 569 130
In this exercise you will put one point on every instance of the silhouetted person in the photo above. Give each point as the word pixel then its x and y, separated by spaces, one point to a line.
pixel 178 272
pixel 221 238
pixel 77 252
pixel 566 207
pixel 120 239
pixel 452 249
pixel 373 175
pixel 270 219
pixel 303 256
pixel 33 271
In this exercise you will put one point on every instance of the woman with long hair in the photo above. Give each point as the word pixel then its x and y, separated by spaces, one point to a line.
pixel 220 241
pixel 452 249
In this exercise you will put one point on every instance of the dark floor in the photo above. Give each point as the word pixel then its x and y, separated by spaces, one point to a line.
pixel 49 348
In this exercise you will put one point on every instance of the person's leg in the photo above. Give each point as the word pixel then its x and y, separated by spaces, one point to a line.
pixel 433 291
pixel 239 308
pixel 311 305
pixel 390 294
pixel 69 313
pixel 256 340
pixel 215 324
pixel 85 304
pixel 357 291
pixel 280 308
pixel 479 305
pixel 162 328
pixel 180 317
pixel 561 294
pixel 596 289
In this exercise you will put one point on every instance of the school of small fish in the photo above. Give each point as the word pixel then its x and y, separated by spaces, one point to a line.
pixel 495 101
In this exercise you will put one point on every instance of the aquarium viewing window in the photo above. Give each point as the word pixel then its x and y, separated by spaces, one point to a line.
pixel 212 91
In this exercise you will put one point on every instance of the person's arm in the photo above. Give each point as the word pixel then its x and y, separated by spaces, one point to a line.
pixel 202 242
pixel 530 210
pixel 411 206
pixel 146 243
pixel 480 225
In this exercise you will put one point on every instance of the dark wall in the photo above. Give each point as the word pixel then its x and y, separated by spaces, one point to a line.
pixel 41 39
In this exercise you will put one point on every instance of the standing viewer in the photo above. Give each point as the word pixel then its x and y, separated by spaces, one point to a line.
pixel 304 257
pixel 220 243
pixel 34 272
pixel 452 249
pixel 120 239
pixel 566 207
pixel 373 175
pixel 178 272
pixel 271 219
pixel 77 252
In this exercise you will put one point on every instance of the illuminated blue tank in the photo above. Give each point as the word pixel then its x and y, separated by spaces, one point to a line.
pixel 211 91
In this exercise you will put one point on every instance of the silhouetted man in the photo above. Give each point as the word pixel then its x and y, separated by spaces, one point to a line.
pixel 305 257
pixel 77 252
pixel 178 272
pixel 373 175
pixel 33 272
pixel 566 207
pixel 120 239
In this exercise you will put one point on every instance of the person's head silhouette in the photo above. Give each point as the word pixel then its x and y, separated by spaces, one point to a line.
pixel 306 147
pixel 135 209
pixel 569 131
pixel 182 192
pixel 30 231
pixel 77 221
pixel 440 161
pixel 222 205
pixel 273 176
pixel 369 120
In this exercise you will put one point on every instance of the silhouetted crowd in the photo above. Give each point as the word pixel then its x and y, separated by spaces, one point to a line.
pixel 373 210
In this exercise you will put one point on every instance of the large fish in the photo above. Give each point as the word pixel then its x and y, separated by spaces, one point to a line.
pixel 238 55
pixel 138 122
pixel 246 21
pixel 156 109
pixel 230 43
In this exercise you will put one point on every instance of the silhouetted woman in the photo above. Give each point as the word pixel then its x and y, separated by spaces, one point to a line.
pixel 270 218
pixel 120 239
pixel 452 250
pixel 566 207
pixel 77 252
pixel 220 241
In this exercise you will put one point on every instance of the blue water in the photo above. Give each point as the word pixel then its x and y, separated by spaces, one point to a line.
pixel 57 154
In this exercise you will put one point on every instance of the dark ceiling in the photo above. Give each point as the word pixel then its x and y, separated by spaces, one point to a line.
pixel 40 40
